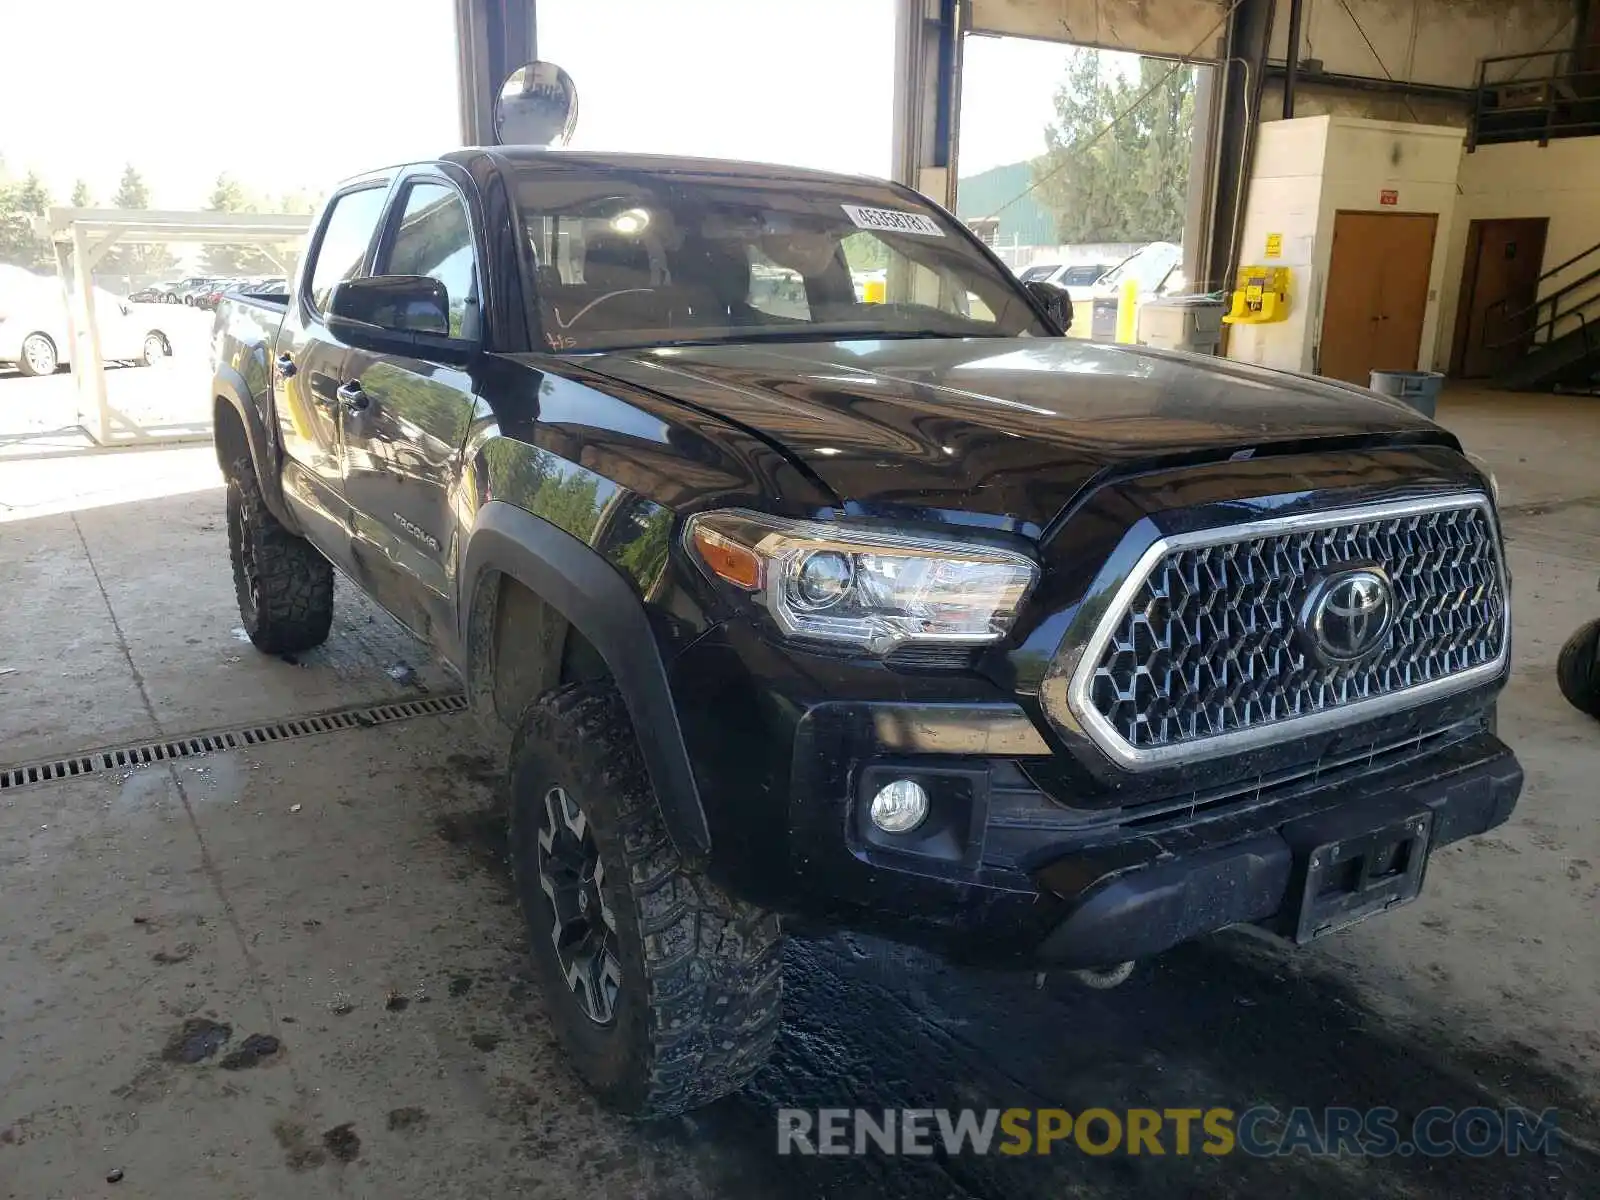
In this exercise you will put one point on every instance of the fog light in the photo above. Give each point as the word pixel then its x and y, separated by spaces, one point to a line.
pixel 900 807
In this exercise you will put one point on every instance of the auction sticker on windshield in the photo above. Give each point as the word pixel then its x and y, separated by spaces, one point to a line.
pixel 890 221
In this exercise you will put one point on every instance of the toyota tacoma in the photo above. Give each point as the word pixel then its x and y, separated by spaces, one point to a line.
pixel 811 578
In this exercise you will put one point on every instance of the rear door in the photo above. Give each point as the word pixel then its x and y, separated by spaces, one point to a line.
pixel 309 365
pixel 404 420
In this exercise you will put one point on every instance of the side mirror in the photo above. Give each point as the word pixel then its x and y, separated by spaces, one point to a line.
pixel 537 106
pixel 396 314
pixel 1054 300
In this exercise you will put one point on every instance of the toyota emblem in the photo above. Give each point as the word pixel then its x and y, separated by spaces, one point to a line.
pixel 1347 615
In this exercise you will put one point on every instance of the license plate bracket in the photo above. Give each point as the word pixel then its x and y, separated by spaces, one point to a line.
pixel 1348 879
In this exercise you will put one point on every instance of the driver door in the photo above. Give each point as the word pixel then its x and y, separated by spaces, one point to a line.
pixel 308 364
pixel 403 421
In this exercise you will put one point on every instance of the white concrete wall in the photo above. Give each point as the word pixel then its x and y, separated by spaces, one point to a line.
pixel 1560 181
pixel 1285 198
pixel 1306 171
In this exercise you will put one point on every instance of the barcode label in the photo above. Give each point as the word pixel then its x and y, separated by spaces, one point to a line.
pixel 890 221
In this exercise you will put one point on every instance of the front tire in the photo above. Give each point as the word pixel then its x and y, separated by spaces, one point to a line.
pixel 284 587
pixel 1578 669
pixel 156 348
pixel 38 356
pixel 665 990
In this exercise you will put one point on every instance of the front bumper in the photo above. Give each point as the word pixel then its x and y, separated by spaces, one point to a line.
pixel 1007 869
pixel 1135 899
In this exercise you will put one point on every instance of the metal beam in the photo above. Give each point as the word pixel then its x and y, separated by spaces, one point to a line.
pixel 927 86
pixel 1366 83
pixel 493 39
pixel 1235 117
pixel 1292 64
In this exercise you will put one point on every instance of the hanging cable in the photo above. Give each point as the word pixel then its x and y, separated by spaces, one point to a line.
pixel 1403 100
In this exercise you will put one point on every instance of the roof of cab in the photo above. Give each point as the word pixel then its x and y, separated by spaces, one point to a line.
pixel 514 156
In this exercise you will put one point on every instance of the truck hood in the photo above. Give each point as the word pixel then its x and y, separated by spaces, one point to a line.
pixel 1009 429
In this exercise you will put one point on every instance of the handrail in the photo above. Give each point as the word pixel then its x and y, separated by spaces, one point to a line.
pixel 1556 270
pixel 1557 314
pixel 1565 96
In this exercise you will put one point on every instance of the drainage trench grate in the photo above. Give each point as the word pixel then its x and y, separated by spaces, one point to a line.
pixel 214 741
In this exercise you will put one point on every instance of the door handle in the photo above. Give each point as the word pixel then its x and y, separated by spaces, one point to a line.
pixel 352 397
pixel 285 365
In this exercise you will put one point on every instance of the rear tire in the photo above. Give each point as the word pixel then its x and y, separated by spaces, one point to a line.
pixel 156 348
pixel 1578 672
pixel 284 587
pixel 665 990
pixel 39 356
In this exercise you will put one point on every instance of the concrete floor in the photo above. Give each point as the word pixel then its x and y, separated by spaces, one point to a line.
pixel 346 895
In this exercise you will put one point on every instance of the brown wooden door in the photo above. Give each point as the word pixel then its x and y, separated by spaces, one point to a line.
pixel 1499 282
pixel 1377 293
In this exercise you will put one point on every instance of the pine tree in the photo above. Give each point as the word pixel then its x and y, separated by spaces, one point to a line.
pixel 135 262
pixel 20 203
pixel 1118 180
pixel 81 197
pixel 132 191
pixel 224 260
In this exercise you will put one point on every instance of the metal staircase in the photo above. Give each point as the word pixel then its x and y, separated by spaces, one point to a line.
pixel 1561 330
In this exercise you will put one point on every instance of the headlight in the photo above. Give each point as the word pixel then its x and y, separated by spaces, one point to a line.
pixel 868 588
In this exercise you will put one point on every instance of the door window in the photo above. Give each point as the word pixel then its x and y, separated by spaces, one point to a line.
pixel 345 238
pixel 434 239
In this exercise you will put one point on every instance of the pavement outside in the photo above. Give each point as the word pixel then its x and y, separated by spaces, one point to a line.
pixel 296 970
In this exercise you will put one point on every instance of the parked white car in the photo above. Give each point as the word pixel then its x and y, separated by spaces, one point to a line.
pixel 1158 270
pixel 1078 278
pixel 36 337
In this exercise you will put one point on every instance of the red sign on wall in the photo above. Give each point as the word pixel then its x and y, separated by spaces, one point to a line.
pixel 1389 196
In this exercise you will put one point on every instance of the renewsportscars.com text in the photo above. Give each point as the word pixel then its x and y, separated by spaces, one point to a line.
pixel 1260 1131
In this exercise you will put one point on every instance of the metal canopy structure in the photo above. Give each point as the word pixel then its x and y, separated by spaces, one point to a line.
pixel 80 237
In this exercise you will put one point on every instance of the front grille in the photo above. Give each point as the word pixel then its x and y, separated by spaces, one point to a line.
pixel 1206 647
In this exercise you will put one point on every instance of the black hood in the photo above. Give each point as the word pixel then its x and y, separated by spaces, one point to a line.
pixel 1006 428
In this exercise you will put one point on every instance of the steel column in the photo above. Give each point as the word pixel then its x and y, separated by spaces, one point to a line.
pixel 927 89
pixel 493 38
pixel 1240 78
pixel 1291 67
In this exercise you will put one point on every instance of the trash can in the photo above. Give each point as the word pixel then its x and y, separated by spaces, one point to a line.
pixel 1103 319
pixel 1420 389
pixel 1192 323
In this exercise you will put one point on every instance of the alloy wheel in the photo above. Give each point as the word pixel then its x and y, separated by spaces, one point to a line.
pixel 583 928
pixel 247 562
pixel 155 347
pixel 41 355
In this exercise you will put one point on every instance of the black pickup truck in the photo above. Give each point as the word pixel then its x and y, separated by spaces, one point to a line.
pixel 809 575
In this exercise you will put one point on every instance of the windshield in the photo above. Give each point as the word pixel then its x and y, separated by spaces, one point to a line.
pixel 1150 266
pixel 1082 276
pixel 631 258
